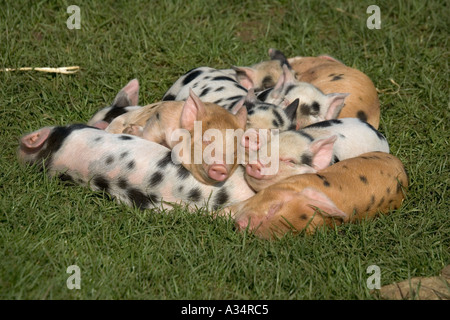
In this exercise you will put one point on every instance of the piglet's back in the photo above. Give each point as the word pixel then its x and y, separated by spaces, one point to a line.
pixel 361 186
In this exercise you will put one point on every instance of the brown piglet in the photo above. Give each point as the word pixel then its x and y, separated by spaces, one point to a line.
pixel 350 190
pixel 331 76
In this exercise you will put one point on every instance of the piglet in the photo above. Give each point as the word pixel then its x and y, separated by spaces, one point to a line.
pixel 331 75
pixel 348 191
pixel 312 149
pixel 262 75
pixel 132 170
pixel 164 127
pixel 313 106
pixel 221 87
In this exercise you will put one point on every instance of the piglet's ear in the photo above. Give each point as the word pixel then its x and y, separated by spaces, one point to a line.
pixel 245 76
pixel 320 200
pixel 240 111
pixel 275 54
pixel 288 75
pixel 128 95
pixel 335 103
pixel 35 140
pixel 322 151
pixel 102 125
pixel 250 140
pixel 291 110
pixel 193 110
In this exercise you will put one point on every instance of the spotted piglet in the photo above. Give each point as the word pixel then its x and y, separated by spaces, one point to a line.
pixel 313 105
pixel 262 75
pixel 133 170
pixel 211 85
pixel 221 87
pixel 348 191
pixel 330 76
pixel 312 149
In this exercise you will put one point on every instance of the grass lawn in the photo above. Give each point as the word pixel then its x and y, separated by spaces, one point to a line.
pixel 124 253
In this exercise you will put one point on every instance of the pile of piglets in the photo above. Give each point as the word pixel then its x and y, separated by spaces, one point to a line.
pixel 304 151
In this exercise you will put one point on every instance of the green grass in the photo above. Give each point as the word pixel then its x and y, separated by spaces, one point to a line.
pixel 123 253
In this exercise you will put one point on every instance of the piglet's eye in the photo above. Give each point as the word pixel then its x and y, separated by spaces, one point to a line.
pixel 291 162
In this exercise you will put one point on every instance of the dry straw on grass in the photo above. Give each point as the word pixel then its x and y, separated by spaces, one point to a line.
pixel 64 70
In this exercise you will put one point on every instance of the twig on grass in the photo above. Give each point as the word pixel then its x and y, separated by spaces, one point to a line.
pixel 63 70
pixel 389 91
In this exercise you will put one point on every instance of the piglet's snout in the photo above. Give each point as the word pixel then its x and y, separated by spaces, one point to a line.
pixel 218 172
pixel 255 170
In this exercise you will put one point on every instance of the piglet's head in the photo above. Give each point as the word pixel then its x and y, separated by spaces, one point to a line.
pixel 291 153
pixel 262 75
pixel 276 211
pixel 213 132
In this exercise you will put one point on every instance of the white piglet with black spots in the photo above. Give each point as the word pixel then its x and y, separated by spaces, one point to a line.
pixel 313 105
pixel 132 170
pixel 221 87
pixel 313 149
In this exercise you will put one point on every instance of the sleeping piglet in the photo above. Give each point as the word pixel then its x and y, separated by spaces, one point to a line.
pixel 132 170
pixel 348 191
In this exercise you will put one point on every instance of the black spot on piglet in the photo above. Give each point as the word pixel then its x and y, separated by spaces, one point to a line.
pixel 182 173
pixel 194 195
pixel 324 124
pixel 101 183
pixel 221 198
pixel 139 199
pixel 131 165
pixel 191 76
pixel 363 179
pixel 324 179
pixel 109 160
pixel 122 183
pixel 168 97
pixel 124 137
pixel 156 179
pixel 361 115
pixel 337 77
pixel 163 162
